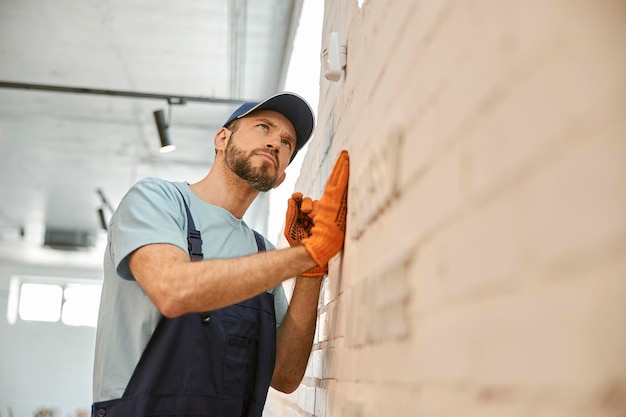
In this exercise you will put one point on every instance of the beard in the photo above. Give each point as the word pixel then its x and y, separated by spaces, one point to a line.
pixel 258 178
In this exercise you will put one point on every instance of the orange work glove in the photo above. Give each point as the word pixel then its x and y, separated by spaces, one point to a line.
pixel 298 224
pixel 329 222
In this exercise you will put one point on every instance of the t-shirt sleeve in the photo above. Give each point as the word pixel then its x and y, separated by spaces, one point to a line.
pixel 149 213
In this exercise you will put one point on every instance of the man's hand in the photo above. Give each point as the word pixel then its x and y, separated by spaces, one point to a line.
pixel 329 220
pixel 298 224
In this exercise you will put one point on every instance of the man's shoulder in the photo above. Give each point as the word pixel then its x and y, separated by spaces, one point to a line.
pixel 153 181
pixel 160 186
pixel 151 194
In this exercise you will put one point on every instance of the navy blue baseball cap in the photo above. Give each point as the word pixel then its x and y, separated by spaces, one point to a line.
pixel 290 105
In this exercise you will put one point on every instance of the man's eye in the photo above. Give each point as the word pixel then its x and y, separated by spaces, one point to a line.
pixel 287 143
pixel 264 127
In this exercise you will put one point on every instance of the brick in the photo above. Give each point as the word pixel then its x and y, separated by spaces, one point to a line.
pixel 578 201
pixel 548 337
pixel 385 23
pixel 320 402
pixel 341 364
pixel 484 249
pixel 425 278
pixel 316 359
pixel 425 202
pixel 374 182
pixel 423 207
pixel 321 331
pixel 335 322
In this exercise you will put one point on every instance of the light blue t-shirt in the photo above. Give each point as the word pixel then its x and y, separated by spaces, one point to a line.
pixel 153 212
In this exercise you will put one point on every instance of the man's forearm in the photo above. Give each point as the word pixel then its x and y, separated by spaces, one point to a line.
pixel 178 286
pixel 295 335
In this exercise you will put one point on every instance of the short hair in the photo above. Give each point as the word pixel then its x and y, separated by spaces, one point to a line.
pixel 232 126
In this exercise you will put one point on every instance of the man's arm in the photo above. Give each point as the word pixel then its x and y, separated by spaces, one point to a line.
pixel 320 226
pixel 295 335
pixel 178 286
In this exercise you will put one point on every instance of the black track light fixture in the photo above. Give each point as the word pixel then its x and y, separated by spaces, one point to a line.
pixel 163 127
pixel 104 204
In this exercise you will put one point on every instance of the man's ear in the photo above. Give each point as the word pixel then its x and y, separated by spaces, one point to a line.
pixel 221 138
pixel 280 180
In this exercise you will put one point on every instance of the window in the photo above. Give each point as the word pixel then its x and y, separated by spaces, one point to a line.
pixel 40 302
pixel 74 302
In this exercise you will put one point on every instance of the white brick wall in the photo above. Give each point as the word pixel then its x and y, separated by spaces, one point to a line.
pixel 484 272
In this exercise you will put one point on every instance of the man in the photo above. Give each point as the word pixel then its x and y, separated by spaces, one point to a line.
pixel 193 319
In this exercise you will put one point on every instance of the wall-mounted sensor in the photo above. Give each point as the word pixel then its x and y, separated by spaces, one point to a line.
pixel 334 58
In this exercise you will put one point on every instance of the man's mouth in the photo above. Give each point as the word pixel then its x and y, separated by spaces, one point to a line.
pixel 269 158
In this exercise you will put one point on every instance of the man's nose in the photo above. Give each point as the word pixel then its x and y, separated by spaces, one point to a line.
pixel 273 143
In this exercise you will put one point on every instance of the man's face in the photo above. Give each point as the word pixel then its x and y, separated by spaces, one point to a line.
pixel 260 148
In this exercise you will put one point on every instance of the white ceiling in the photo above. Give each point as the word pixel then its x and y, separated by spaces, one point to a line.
pixel 58 149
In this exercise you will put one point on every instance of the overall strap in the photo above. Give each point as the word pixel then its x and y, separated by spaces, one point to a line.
pixel 194 239
pixel 260 242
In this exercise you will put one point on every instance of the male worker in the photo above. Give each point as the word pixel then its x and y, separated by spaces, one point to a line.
pixel 193 318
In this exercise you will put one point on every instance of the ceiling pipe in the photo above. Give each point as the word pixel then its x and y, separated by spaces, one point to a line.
pixel 171 98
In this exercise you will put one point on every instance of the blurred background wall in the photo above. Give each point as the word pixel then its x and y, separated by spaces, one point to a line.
pixel 62 153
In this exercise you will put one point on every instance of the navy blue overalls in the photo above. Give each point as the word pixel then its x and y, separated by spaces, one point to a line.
pixel 218 364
